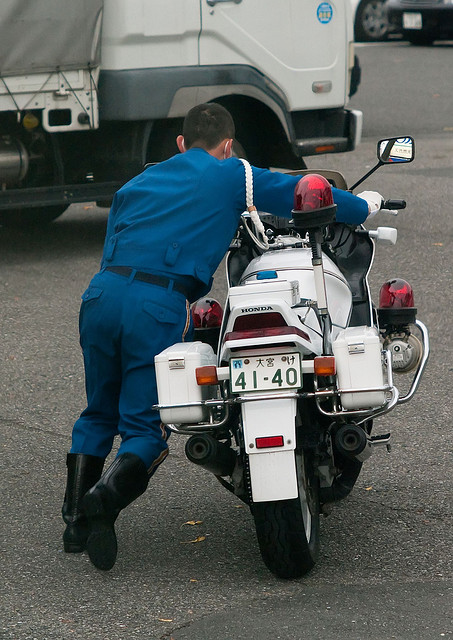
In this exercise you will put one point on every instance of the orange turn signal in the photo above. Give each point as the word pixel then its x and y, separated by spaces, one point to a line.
pixel 325 366
pixel 326 148
pixel 206 375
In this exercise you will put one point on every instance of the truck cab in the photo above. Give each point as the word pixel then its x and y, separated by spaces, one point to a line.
pixel 90 92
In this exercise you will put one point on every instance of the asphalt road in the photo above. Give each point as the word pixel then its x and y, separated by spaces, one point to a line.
pixel 405 88
pixel 385 569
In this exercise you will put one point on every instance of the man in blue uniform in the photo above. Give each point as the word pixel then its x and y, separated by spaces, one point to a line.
pixel 167 232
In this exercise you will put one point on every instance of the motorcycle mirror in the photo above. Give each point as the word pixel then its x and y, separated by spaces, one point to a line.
pixel 396 150
pixel 391 151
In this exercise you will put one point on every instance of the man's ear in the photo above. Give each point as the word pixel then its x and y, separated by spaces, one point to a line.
pixel 228 151
pixel 180 144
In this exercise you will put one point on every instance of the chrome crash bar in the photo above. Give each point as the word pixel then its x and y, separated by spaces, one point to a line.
pixel 319 394
pixel 422 364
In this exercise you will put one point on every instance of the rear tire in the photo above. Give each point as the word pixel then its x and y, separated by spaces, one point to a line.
pixel 288 530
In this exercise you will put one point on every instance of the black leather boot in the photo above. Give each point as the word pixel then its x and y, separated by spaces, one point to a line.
pixel 125 480
pixel 83 472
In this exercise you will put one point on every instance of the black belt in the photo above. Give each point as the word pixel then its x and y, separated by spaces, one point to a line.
pixel 151 278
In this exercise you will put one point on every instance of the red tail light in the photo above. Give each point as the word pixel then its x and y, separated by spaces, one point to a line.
pixel 269 441
pixel 396 294
pixel 259 321
pixel 262 325
pixel 207 314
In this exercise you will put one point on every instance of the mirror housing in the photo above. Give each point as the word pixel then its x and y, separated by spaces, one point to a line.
pixel 393 150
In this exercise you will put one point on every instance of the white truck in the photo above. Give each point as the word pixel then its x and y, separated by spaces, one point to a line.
pixel 91 90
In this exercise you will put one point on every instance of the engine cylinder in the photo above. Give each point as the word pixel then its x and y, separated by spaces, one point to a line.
pixel 14 160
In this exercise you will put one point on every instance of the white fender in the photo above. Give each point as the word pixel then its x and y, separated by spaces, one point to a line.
pixel 272 470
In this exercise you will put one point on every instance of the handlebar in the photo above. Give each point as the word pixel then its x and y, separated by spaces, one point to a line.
pixel 394 204
pixel 386 235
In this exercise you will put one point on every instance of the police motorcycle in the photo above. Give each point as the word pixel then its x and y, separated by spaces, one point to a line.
pixel 279 401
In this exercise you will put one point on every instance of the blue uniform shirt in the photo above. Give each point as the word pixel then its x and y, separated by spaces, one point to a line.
pixel 178 217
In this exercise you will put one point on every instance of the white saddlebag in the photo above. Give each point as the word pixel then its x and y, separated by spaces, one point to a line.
pixel 357 352
pixel 177 384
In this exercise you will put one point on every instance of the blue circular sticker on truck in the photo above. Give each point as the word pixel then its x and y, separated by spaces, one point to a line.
pixel 324 12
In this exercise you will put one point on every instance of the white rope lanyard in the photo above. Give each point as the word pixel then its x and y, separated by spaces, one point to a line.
pixel 261 240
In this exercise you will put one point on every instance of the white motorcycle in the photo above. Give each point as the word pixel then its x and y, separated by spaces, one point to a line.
pixel 283 414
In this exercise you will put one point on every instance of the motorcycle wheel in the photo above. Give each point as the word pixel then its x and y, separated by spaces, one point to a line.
pixel 288 530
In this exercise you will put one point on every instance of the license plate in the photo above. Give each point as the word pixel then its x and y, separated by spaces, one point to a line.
pixel 262 373
pixel 412 21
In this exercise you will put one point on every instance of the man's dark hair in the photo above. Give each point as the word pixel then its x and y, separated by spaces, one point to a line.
pixel 206 125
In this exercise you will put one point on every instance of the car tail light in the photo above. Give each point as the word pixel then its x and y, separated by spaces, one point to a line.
pixel 207 314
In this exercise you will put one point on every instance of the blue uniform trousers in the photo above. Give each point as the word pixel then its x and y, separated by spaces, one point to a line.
pixel 124 323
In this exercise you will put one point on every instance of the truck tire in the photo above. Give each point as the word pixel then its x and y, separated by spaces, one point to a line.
pixel 161 143
pixel 32 217
pixel 288 530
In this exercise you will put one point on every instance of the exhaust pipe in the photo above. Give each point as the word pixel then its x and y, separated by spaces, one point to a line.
pixel 352 442
pixel 217 457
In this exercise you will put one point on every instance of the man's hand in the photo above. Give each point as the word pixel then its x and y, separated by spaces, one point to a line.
pixel 374 201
